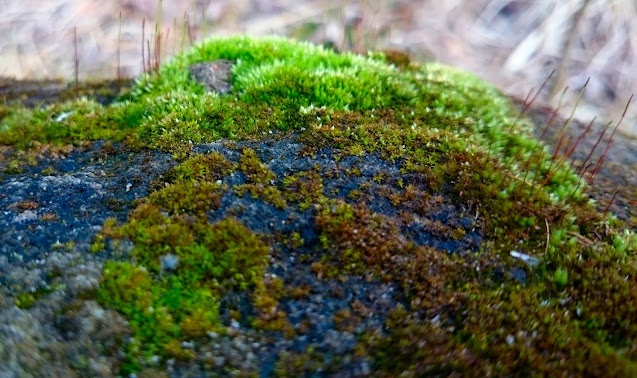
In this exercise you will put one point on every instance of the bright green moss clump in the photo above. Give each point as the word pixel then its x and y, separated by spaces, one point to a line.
pixel 171 112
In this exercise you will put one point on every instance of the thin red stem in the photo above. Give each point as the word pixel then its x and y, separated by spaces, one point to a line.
pixel 610 140
pixel 611 201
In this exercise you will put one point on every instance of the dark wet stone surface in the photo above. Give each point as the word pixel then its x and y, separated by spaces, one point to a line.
pixel 282 158
pixel 48 221
pixel 34 93
pixel 72 202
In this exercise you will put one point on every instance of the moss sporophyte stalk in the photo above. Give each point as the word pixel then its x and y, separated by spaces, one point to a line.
pixel 414 176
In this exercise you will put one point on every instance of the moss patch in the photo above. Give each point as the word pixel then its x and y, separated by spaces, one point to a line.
pixel 179 270
pixel 181 264
pixel 459 165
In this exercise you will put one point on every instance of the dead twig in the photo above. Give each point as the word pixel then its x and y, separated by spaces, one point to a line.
pixel 143 49
pixel 119 49
pixel 76 62
pixel 570 42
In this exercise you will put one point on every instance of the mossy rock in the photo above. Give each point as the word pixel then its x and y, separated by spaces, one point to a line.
pixel 339 213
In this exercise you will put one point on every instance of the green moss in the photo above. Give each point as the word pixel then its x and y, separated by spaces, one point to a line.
pixel 26 300
pixel 206 167
pixel 69 122
pixel 190 197
pixel 168 302
pixel 561 277
pixel 181 264
pixel 270 316
pixel 296 241
pixel 260 181
pixel 475 322
pixel 256 171
pixel 304 188
pixel 169 111
pixel 300 364
pixel 98 244
pixel 455 140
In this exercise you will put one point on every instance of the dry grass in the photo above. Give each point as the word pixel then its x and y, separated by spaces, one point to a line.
pixel 514 44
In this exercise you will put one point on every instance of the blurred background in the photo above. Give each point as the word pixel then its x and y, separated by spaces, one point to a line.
pixel 513 44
